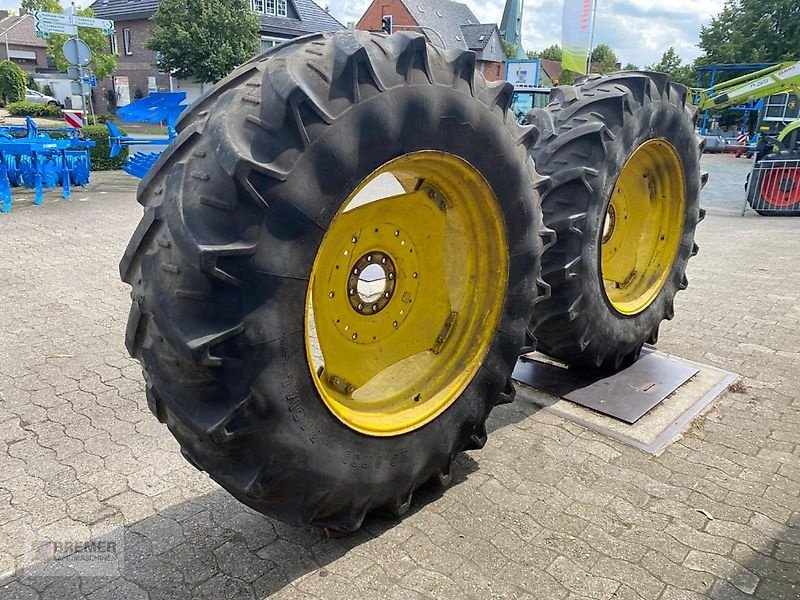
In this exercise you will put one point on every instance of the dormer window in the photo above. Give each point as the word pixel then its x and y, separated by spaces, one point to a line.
pixel 274 8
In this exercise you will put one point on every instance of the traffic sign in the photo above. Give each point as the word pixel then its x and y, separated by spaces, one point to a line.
pixel 46 23
pixel 80 88
pixel 77 52
pixel 90 80
pixel 74 118
pixel 106 25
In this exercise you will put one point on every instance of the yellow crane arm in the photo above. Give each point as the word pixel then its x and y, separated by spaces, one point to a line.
pixel 784 77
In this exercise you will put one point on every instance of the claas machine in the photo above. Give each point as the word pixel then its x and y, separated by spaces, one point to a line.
pixel 352 240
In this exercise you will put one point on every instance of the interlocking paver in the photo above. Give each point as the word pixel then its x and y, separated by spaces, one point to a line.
pixel 546 510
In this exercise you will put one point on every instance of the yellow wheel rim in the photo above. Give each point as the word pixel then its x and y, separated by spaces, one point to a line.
pixel 405 294
pixel 643 226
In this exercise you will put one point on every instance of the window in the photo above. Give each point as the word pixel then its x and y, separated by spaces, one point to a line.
pixel 282 9
pixel 269 7
pixel 112 43
pixel 257 5
pixel 127 40
pixel 268 42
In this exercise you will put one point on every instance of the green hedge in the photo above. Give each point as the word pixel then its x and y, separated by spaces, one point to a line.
pixel 29 109
pixel 12 82
pixel 99 154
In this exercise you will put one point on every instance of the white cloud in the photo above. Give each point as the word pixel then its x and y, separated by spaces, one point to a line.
pixel 638 30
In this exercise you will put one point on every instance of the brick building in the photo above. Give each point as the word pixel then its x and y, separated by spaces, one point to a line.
pixel 444 23
pixel 24 48
pixel 280 20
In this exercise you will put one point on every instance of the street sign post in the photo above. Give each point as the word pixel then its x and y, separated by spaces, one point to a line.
pixel 77 52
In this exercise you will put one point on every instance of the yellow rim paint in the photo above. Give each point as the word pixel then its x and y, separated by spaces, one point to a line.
pixel 643 227
pixel 405 293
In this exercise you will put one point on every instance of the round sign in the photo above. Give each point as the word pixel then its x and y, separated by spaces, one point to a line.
pixel 77 52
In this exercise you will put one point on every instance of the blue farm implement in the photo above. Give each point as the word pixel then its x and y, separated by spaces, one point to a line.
pixel 158 107
pixel 34 158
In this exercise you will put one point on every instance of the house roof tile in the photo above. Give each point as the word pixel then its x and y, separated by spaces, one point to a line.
pixel 477 36
pixel 21 31
pixel 443 16
pixel 313 18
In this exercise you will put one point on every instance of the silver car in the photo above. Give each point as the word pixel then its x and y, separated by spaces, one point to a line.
pixel 40 98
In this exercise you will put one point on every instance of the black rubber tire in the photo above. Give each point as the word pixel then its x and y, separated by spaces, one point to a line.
pixel 586 135
pixel 757 201
pixel 234 213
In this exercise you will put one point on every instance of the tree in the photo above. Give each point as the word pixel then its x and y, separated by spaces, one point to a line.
pixel 672 65
pixel 630 67
pixel 748 31
pixel 604 58
pixel 103 62
pixel 550 53
pixel 45 5
pixel 509 49
pixel 12 82
pixel 204 40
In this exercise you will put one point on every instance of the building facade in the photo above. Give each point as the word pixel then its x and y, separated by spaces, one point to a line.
pixel 137 74
pixel 19 44
pixel 446 24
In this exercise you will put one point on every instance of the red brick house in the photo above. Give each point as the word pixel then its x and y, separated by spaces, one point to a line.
pixel 280 20
pixel 445 23
pixel 24 48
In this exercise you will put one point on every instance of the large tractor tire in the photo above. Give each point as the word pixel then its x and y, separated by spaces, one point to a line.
pixel 776 191
pixel 334 274
pixel 624 167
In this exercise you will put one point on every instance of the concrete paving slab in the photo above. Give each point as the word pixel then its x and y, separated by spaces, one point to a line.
pixel 661 425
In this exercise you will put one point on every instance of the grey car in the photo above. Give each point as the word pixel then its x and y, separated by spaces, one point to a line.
pixel 40 98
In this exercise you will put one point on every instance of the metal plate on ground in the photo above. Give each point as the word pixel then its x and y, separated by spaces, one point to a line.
pixel 627 395
pixel 653 431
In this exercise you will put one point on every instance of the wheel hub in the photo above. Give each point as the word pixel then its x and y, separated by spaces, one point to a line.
pixel 372 282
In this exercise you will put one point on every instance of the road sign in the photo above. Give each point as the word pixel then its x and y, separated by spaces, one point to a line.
pixel 46 23
pixel 77 52
pixel 74 118
pixel 80 88
pixel 90 80
pixel 104 24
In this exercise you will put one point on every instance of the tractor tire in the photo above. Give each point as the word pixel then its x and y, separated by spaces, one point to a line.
pixel 588 135
pixel 240 215
pixel 778 191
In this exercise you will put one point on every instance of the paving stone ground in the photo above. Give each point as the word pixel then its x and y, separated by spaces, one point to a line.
pixel 546 510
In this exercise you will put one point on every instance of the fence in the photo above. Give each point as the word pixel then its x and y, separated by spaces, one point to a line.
pixel 773 187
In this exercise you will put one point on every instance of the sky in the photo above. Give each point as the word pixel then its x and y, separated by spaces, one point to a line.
pixel 638 30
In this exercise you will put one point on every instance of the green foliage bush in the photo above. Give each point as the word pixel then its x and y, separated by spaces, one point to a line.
pixel 13 81
pixel 29 109
pixel 99 154
pixel 47 91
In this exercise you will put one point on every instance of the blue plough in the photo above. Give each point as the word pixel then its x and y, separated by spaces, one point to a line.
pixel 31 157
pixel 156 108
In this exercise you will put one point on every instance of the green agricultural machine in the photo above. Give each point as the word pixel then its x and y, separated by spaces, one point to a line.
pixel 352 240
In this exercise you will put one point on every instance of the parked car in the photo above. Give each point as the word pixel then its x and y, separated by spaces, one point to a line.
pixel 40 98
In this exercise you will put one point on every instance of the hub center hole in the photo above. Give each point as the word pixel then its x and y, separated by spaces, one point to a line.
pixel 609 223
pixel 371 283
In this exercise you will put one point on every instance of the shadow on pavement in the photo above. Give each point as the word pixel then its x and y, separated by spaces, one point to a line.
pixel 209 547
